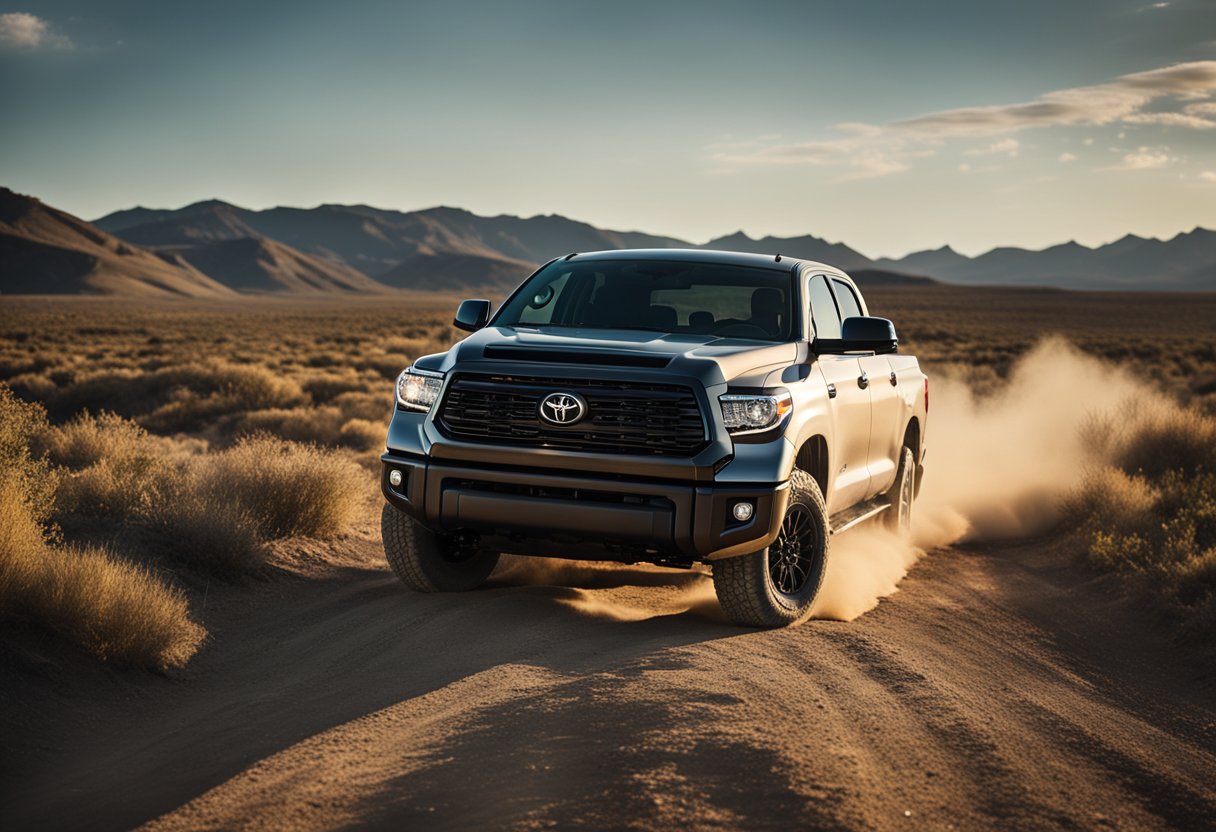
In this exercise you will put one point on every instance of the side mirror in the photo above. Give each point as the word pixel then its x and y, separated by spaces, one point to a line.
pixel 861 334
pixel 472 315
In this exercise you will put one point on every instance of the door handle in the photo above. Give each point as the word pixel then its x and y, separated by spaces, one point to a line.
pixel 863 381
pixel 831 391
pixel 894 381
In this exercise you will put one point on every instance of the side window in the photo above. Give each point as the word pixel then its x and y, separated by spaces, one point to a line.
pixel 823 309
pixel 849 307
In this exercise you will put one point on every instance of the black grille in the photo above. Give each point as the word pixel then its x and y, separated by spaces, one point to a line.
pixel 623 417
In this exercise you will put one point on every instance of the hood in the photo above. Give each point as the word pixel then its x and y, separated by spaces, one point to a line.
pixel 713 359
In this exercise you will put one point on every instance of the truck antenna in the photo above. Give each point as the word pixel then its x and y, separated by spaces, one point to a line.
pixel 777 259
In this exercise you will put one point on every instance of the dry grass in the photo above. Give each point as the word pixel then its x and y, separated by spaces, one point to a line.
pixel 1150 513
pixel 112 608
pixel 289 489
pixel 214 511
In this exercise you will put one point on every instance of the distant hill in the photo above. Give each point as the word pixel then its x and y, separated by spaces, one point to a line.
pixel 453 248
pixel 47 251
pixel 258 264
pixel 457 271
pixel 806 247
pixel 1186 262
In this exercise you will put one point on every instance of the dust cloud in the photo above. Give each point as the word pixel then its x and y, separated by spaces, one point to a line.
pixel 997 467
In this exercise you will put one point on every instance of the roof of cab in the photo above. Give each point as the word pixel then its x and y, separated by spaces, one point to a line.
pixel 702 255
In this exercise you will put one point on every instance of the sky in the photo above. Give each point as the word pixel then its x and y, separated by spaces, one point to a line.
pixel 889 125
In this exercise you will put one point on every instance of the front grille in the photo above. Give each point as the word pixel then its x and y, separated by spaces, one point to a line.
pixel 623 417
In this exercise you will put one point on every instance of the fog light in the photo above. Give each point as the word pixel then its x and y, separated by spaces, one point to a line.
pixel 394 479
pixel 743 511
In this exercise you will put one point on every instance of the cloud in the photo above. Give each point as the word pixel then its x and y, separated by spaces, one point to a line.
pixel 1171 120
pixel 1008 147
pixel 1146 158
pixel 1101 104
pixel 870 150
pixel 20 30
pixel 1068 157
pixel 1208 177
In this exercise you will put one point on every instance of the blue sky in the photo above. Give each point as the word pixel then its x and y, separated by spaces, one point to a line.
pixel 890 125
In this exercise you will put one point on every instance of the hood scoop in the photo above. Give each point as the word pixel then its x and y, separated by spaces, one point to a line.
pixel 565 355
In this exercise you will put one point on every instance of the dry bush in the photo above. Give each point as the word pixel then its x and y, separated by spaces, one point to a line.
pixel 29 474
pixel 210 532
pixel 326 425
pixel 373 407
pixel 363 435
pixel 326 386
pixel 184 397
pixel 1170 439
pixel 289 489
pixel 117 611
pixel 118 466
pixel 1151 513
pixel 303 424
pixel 388 366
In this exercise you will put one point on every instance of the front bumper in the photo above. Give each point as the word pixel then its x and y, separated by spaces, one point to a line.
pixel 611 517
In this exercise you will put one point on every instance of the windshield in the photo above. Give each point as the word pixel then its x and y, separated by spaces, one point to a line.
pixel 658 295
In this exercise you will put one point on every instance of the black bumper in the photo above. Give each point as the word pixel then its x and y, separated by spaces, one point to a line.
pixel 546 512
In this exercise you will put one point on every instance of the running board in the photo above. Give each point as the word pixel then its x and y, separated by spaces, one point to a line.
pixel 850 517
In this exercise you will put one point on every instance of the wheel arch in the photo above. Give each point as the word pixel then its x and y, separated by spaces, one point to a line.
pixel 812 457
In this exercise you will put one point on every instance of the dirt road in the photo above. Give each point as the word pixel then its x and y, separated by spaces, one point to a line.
pixel 995 690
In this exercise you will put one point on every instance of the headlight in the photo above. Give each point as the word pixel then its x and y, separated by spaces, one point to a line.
pixel 748 414
pixel 418 389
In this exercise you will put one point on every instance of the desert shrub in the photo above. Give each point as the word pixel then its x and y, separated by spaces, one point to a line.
pixel 32 386
pixel 116 466
pixel 302 424
pixel 182 397
pixel 388 366
pixel 115 610
pixel 324 387
pixel 1151 513
pixel 373 407
pixel 362 435
pixel 29 476
pixel 289 489
pixel 210 532
pixel 1170 439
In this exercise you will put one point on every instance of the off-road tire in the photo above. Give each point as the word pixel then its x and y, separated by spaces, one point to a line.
pixel 745 585
pixel 429 562
pixel 898 518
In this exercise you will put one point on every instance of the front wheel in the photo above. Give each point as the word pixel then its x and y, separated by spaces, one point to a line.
pixel 429 562
pixel 777 585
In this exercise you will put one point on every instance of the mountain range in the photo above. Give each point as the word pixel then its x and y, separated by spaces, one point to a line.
pixel 213 248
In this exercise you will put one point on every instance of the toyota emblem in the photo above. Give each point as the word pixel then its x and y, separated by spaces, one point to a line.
pixel 562 409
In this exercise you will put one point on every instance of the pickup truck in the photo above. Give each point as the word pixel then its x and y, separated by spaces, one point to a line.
pixel 667 406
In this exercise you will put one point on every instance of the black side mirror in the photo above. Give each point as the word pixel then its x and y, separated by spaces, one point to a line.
pixel 472 315
pixel 861 334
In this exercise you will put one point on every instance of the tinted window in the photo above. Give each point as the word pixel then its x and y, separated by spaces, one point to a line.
pixel 660 295
pixel 849 307
pixel 823 309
